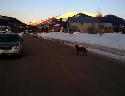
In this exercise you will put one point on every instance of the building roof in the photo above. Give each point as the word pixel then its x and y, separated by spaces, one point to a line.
pixel 84 20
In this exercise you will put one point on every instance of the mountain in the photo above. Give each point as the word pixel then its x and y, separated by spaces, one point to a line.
pixel 65 16
pixel 116 21
pixel 10 21
pixel 71 14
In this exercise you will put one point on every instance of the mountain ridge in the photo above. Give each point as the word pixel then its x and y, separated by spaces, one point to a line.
pixel 10 21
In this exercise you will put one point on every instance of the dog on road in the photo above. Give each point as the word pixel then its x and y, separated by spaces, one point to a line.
pixel 82 50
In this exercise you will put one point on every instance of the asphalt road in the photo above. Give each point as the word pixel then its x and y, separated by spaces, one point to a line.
pixel 52 69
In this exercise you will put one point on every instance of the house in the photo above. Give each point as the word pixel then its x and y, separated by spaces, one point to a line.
pixel 71 29
pixel 88 25
pixel 53 25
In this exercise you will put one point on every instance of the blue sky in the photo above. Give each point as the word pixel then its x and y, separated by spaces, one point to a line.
pixel 33 10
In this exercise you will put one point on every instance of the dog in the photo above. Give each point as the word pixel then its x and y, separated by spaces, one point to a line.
pixel 81 49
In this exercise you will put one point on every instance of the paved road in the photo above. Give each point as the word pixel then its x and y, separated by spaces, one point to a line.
pixel 51 69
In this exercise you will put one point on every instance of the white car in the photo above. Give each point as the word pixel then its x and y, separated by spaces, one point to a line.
pixel 10 44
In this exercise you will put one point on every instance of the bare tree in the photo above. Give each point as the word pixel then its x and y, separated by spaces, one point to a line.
pixel 99 22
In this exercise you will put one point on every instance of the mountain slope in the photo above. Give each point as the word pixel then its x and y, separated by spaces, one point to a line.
pixel 116 21
pixel 10 21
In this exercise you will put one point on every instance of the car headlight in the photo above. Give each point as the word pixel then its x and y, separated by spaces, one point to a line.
pixel 16 47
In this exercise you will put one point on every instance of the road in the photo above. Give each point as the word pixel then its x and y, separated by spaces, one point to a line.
pixel 52 69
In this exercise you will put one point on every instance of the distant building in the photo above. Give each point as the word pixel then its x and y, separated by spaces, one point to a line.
pixel 53 25
pixel 88 25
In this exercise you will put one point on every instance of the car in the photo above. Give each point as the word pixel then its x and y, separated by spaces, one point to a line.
pixel 35 34
pixel 10 44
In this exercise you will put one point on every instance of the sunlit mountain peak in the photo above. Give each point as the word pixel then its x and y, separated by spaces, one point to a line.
pixel 70 14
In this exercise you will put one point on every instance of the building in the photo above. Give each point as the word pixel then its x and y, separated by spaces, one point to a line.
pixel 53 25
pixel 88 25
pixel 71 29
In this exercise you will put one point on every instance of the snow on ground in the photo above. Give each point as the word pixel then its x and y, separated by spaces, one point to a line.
pixel 108 40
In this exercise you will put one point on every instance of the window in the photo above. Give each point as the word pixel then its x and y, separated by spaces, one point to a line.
pixel 69 24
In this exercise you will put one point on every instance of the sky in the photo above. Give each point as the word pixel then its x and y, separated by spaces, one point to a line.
pixel 34 10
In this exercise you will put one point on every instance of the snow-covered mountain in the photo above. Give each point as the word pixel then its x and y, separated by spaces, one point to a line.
pixel 65 16
pixel 70 14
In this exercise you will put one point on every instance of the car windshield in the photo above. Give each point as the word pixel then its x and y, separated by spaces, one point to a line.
pixel 9 38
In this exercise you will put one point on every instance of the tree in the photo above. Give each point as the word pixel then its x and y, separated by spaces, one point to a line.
pixel 99 21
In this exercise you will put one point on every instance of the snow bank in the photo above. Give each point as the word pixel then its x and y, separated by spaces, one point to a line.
pixel 110 40
pixel 21 34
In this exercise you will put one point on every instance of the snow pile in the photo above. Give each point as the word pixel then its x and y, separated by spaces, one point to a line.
pixel 21 34
pixel 108 40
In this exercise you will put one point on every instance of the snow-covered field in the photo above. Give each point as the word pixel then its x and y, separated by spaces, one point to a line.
pixel 109 43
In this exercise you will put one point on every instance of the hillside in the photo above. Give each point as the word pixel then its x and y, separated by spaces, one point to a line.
pixel 116 21
pixel 10 21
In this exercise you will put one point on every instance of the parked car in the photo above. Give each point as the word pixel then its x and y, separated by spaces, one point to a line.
pixel 10 44
pixel 35 34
